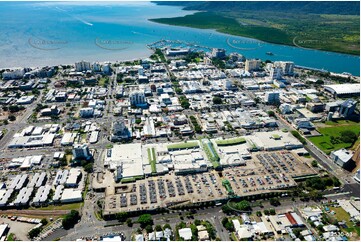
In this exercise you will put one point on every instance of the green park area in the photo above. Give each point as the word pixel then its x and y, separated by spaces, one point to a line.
pixel 211 152
pixel 152 159
pixel 234 141
pixel 336 135
pixel 340 215
pixel 185 145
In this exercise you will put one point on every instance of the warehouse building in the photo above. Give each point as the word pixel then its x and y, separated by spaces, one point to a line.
pixel 19 182
pixel 41 195
pixel 343 90
pixel 4 230
pixel 58 192
pixel 128 157
pixel 31 141
pixel 73 178
pixel 275 140
pixel 24 196
pixel 68 139
pixel 70 195
pixel 60 177
pixel 4 196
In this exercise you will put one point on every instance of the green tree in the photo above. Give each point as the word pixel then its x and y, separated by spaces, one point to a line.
pixel 88 168
pixel 258 213
pixel 274 201
pixel 178 90
pixel 145 219
pixel 271 113
pixel 149 228
pixel 224 220
pixel 121 216
pixel 12 118
pixel 272 211
pixel 226 209
pixel 197 222
pixel 314 163
pixel 348 136
pixel 14 108
pixel 129 222
pixel 243 205
pixel 167 226
pixel 34 232
pixel 217 100
pixel 70 219
pixel 336 182
pixel 158 228
pixel 44 221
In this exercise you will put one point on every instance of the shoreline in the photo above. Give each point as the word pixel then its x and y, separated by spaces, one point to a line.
pixel 291 44
pixel 254 38
pixel 145 57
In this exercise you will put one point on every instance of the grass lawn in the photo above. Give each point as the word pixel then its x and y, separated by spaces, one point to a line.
pixel 234 237
pixel 69 158
pixel 211 154
pixel 103 81
pixel 342 215
pixel 11 237
pixel 71 206
pixel 334 129
pixel 152 159
pixel 234 141
pixel 186 145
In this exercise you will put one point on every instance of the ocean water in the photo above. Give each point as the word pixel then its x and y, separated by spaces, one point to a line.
pixel 50 33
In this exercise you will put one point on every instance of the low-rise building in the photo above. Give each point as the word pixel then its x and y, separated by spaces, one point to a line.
pixel 341 157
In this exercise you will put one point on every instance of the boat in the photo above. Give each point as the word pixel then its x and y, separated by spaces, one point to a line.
pixel 269 53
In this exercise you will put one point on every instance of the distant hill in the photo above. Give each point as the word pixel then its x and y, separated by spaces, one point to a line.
pixel 339 7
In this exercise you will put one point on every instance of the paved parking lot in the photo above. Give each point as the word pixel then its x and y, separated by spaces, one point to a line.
pixel 265 172
pixel 20 229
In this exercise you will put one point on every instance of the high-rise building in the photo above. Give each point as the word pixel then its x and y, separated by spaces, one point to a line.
pixel 119 131
pixel 287 67
pixel 272 97
pixel 82 66
pixel 347 108
pixel 276 73
pixel 218 53
pixel 96 67
pixel 106 68
pixel 252 65
pixel 81 152
pixel 137 98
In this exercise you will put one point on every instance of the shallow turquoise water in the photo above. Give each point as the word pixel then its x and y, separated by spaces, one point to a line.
pixel 48 33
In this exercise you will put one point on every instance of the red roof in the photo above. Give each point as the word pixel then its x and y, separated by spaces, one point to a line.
pixel 291 218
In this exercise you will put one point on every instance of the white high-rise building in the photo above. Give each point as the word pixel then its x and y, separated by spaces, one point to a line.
pixel 252 65
pixel 276 73
pixel 272 97
pixel 137 98
pixel 82 66
pixel 13 74
pixel 287 67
